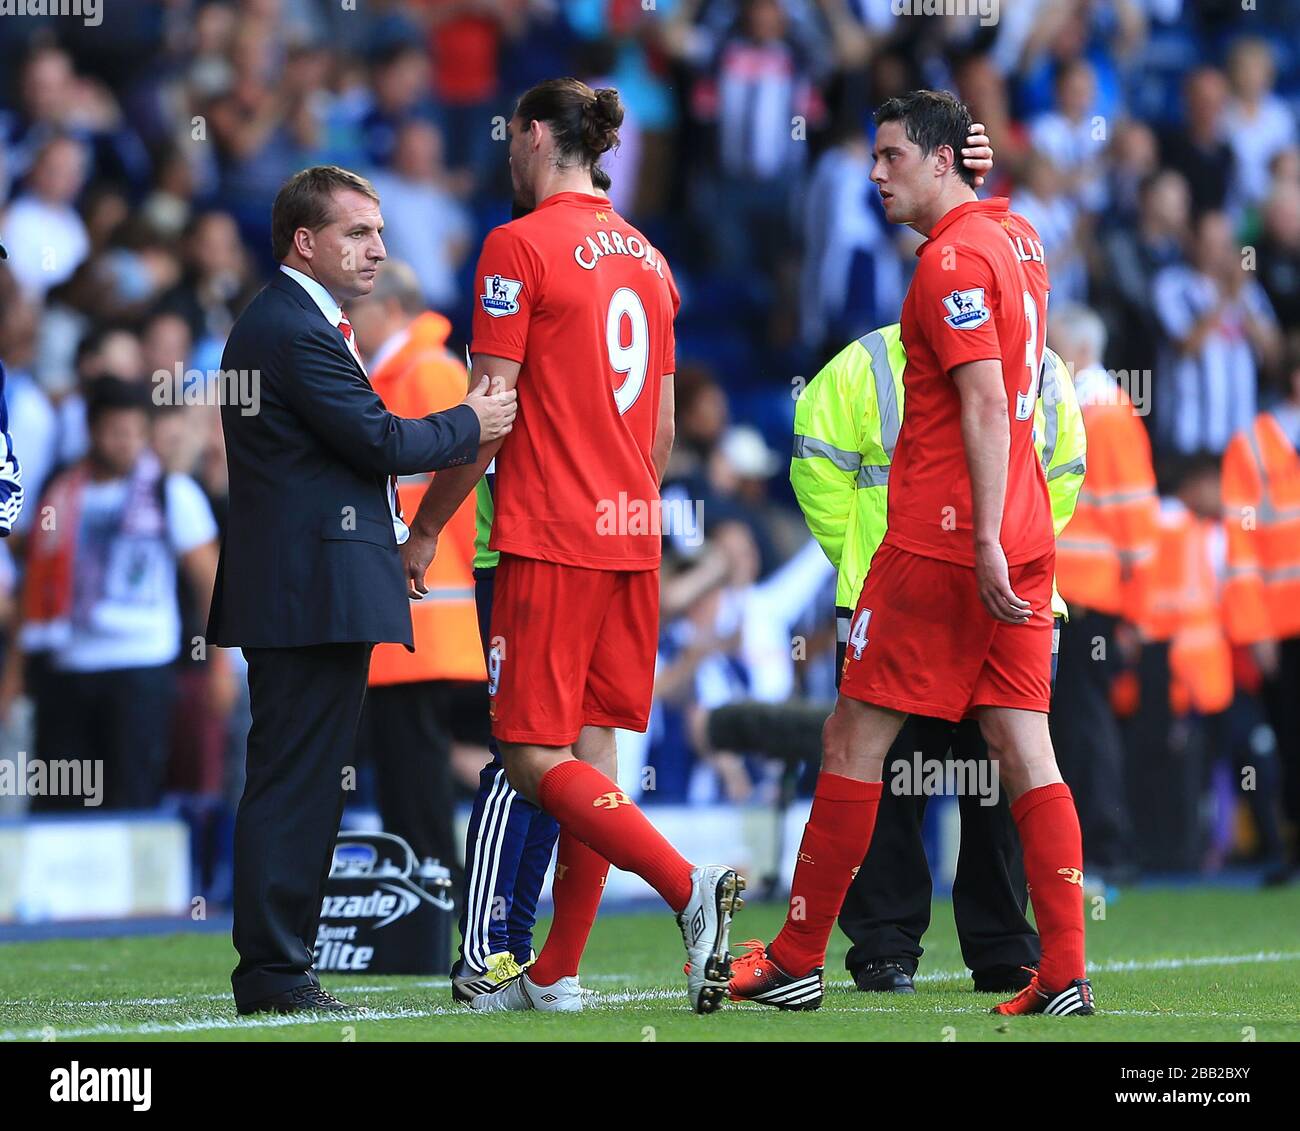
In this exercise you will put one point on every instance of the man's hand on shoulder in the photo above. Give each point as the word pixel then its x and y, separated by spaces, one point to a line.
pixel 495 406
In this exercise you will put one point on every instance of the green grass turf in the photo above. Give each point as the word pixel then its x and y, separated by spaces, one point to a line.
pixel 1169 965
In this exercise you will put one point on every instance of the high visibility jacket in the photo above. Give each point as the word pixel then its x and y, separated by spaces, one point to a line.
pixel 1261 500
pixel 846 425
pixel 484 512
pixel 1104 561
pixel 1184 607
pixel 419 378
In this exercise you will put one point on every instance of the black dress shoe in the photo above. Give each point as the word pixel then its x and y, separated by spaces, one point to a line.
pixel 884 976
pixel 301 999
pixel 1002 979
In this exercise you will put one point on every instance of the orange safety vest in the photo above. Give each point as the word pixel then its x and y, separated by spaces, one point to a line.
pixel 1184 607
pixel 420 378
pixel 1261 501
pixel 1104 556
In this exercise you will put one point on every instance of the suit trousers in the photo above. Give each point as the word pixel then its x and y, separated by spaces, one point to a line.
pixel 306 707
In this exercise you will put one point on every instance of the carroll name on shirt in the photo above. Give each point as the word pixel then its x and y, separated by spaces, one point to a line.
pixel 590 252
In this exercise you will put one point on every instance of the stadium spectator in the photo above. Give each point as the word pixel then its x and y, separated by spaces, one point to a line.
pixel 1279 252
pixel 465 40
pixel 100 610
pixel 215 284
pixel 851 279
pixel 761 95
pixel 426 225
pixel 1134 158
pixel 1219 333
pixel 1257 123
pixel 1073 136
pixel 399 93
pixel 1199 148
pixel 1131 256
pixel 46 237
pixel 1044 201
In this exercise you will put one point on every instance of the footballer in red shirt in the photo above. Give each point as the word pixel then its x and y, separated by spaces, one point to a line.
pixel 954 619
pixel 575 311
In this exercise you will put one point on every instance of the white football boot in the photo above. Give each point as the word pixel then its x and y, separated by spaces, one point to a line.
pixel 521 992
pixel 705 923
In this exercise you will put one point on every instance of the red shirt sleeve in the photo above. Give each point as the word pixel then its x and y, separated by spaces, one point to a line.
pixel 954 303
pixel 507 283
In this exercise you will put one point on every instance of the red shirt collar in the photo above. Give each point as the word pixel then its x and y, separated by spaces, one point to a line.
pixel 575 198
pixel 995 206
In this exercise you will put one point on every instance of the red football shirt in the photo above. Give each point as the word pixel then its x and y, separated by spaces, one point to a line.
pixel 979 293
pixel 586 304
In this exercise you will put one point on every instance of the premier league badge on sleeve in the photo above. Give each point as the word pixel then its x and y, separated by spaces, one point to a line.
pixel 966 309
pixel 500 295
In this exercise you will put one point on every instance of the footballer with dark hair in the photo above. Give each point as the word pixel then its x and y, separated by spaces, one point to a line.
pixel 954 619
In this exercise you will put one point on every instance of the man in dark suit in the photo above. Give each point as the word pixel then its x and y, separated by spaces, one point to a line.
pixel 309 578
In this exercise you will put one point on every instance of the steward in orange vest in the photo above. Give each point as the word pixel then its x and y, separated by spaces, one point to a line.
pixel 1261 501
pixel 1261 514
pixel 415 375
pixel 1184 606
pixel 1103 558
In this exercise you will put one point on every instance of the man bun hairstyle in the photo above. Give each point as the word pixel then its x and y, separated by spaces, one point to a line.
pixel 306 200
pixel 584 122
pixel 932 118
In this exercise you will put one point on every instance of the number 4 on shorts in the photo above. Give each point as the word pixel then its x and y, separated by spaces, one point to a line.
pixel 858 633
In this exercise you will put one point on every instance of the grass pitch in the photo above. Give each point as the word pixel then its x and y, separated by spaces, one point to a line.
pixel 1168 965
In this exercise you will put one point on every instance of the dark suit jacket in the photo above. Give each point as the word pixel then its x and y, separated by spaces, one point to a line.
pixel 309 555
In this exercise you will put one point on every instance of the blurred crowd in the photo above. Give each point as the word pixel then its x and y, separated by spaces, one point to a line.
pixel 1153 143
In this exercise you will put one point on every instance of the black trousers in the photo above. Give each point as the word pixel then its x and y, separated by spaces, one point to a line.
pixel 306 707
pixel 121 717
pixel 407 731
pixel 1089 744
pixel 887 909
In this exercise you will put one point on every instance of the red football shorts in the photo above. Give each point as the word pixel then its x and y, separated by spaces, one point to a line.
pixel 921 640
pixel 570 647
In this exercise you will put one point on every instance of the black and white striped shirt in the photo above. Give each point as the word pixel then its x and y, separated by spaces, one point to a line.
pixel 1206 396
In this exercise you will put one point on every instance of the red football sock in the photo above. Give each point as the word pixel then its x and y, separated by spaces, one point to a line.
pixel 1053 850
pixel 835 842
pixel 576 889
pixel 592 808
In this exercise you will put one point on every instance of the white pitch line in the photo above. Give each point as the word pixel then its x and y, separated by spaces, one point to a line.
pixel 626 997
pixel 204 1024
